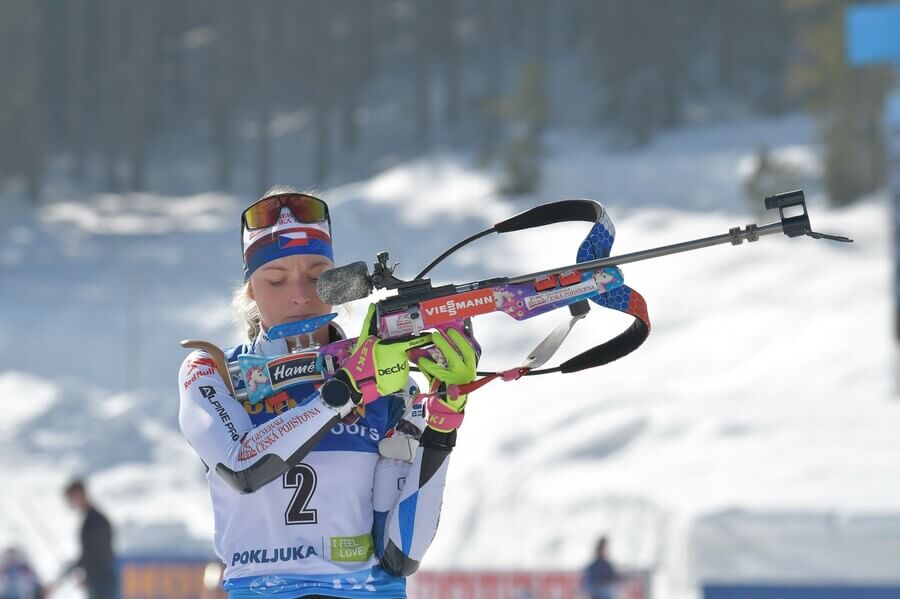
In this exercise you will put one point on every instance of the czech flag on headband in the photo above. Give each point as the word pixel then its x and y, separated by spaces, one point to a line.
pixel 293 238
pixel 286 238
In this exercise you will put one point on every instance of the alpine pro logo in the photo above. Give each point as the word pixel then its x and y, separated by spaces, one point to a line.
pixel 209 393
pixel 293 369
pixel 457 307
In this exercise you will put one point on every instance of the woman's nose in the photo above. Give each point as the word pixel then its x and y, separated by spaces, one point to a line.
pixel 304 291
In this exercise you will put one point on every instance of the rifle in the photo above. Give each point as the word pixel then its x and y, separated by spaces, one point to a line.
pixel 418 306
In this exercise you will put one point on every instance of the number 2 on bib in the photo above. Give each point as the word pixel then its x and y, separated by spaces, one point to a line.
pixel 302 478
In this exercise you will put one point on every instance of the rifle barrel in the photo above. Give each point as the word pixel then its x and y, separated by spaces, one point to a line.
pixel 735 236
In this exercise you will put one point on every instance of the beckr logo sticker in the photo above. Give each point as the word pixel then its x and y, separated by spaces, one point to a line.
pixel 456 307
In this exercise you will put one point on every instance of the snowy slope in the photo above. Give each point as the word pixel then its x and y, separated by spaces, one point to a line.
pixel 762 402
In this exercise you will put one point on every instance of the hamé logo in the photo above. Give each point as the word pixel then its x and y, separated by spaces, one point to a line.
pixel 293 369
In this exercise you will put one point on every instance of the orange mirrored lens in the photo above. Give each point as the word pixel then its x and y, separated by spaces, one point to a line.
pixel 262 214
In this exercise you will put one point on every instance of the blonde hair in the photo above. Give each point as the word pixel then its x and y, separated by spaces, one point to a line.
pixel 281 189
pixel 246 312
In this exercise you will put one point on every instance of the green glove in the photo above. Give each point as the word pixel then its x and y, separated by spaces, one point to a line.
pixel 375 367
pixel 462 362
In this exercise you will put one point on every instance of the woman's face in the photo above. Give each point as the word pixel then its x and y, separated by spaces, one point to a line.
pixel 285 289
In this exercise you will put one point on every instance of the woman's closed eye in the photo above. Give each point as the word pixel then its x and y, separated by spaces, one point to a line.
pixel 315 274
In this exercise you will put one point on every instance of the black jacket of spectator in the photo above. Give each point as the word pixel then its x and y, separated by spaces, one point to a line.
pixel 97 559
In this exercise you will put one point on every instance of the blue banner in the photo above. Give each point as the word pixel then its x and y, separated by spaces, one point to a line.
pixel 873 34
pixel 748 591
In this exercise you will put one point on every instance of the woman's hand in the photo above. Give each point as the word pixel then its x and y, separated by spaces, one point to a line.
pixel 444 410
pixel 376 367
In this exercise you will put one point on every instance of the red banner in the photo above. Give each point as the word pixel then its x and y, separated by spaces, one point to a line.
pixel 514 585
pixel 145 578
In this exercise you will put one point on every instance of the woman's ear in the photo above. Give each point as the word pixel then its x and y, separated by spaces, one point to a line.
pixel 250 290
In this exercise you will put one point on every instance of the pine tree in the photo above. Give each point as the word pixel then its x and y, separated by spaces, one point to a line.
pixel 525 113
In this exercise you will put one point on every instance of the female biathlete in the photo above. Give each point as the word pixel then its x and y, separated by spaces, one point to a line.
pixel 307 502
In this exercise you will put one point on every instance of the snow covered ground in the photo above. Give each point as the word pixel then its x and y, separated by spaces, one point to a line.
pixel 753 436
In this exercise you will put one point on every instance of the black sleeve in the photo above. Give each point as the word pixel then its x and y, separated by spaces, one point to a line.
pixel 96 546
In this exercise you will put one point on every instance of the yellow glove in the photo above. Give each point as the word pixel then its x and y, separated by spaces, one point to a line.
pixel 462 362
pixel 375 367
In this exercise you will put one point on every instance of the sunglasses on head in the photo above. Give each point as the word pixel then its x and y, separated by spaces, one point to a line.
pixel 305 208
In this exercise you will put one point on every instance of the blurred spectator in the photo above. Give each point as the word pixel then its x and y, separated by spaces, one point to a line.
pixel 97 561
pixel 17 579
pixel 600 576
pixel 212 580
